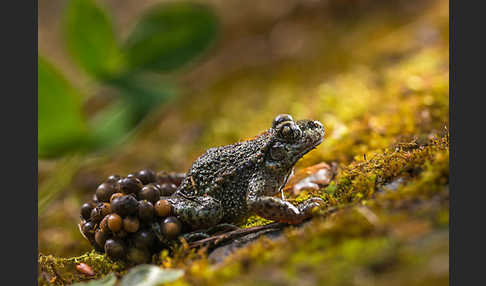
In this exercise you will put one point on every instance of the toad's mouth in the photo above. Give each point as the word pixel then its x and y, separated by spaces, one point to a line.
pixel 314 135
pixel 311 147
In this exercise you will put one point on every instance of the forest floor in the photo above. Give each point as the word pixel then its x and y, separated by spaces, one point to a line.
pixel 380 86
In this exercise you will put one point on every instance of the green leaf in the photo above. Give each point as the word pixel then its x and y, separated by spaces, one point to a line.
pixel 143 93
pixel 108 280
pixel 170 35
pixel 112 125
pixel 140 95
pixel 90 39
pixel 61 127
pixel 58 180
pixel 150 275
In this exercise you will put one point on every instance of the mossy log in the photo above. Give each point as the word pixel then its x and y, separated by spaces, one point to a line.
pixel 359 208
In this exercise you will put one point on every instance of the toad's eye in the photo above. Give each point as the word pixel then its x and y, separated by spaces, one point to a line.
pixel 286 131
pixel 290 131
pixel 277 153
pixel 281 118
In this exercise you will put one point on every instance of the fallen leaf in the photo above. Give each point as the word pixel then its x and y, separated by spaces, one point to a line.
pixel 85 269
pixel 150 275
pixel 313 177
pixel 108 280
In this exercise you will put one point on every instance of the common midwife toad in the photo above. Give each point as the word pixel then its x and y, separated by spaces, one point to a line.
pixel 228 184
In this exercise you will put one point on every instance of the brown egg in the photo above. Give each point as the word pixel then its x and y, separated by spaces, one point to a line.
pixel 138 256
pixel 124 205
pixel 146 211
pixel 105 190
pixel 144 239
pixel 171 227
pixel 131 224
pixel 100 237
pixel 163 208
pixel 106 209
pixel 115 195
pixel 113 178
pixel 115 249
pixel 177 178
pixel 130 185
pixel 88 229
pixel 121 234
pixel 167 189
pixel 147 176
pixel 104 225
pixel 97 213
pixel 86 209
pixel 115 222
pixel 150 193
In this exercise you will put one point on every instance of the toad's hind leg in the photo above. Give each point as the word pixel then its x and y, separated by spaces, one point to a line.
pixel 197 212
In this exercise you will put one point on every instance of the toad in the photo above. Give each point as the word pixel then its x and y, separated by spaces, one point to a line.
pixel 230 183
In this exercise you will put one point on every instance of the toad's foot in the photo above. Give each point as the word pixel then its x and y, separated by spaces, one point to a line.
pixel 206 233
pixel 194 236
pixel 282 211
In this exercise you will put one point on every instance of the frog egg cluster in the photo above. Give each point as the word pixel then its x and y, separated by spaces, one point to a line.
pixel 128 216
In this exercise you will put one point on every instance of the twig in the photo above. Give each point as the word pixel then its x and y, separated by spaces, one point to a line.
pixel 56 274
pixel 217 239
pixel 220 238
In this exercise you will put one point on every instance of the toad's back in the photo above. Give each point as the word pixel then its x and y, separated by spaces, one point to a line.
pixel 224 172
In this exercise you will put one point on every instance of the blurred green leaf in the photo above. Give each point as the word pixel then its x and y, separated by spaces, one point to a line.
pixel 150 275
pixel 140 95
pixel 58 180
pixel 91 40
pixel 170 35
pixel 143 93
pixel 108 280
pixel 61 127
pixel 112 125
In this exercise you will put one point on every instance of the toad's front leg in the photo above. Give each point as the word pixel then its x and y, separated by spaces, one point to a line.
pixel 276 209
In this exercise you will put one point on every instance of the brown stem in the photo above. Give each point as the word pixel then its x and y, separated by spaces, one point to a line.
pixel 217 239
pixel 56 274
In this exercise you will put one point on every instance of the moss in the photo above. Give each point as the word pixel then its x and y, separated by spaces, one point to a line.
pixel 255 221
pixel 58 271
pixel 354 238
pixel 371 236
pixel 360 179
